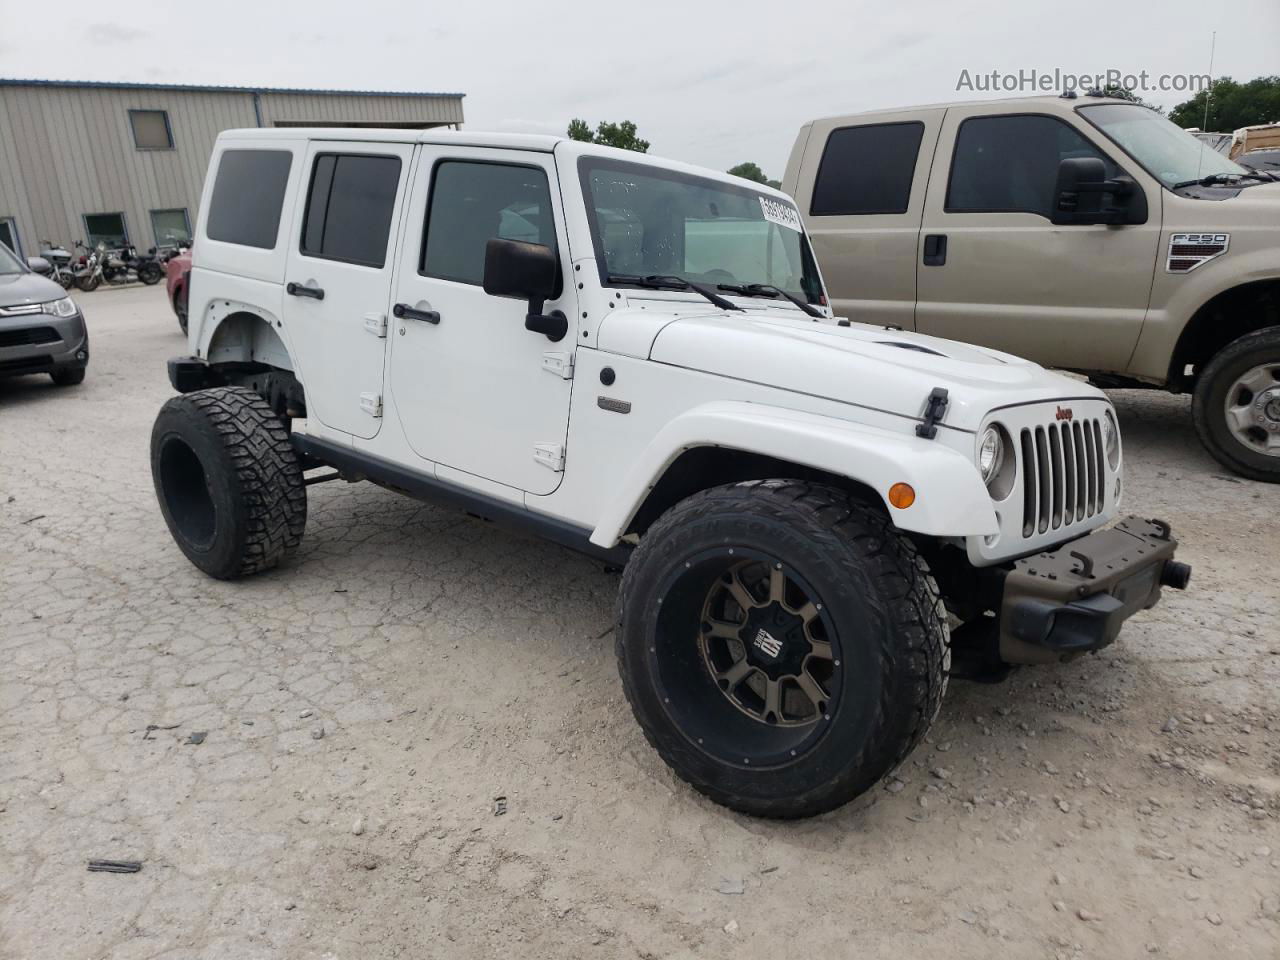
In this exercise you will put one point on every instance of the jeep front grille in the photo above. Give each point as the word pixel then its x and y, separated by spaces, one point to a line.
pixel 1064 477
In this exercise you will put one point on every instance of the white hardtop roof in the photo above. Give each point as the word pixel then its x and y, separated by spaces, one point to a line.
pixel 542 143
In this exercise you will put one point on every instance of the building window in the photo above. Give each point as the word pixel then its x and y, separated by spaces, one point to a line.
pixel 106 228
pixel 867 170
pixel 9 234
pixel 151 129
pixel 171 227
pixel 349 208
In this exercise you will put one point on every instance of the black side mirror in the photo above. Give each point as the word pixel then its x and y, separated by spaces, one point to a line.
pixel 513 268
pixel 1084 195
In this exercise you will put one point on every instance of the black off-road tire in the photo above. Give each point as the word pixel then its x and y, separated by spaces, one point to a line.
pixel 888 616
pixel 1209 400
pixel 68 376
pixel 228 480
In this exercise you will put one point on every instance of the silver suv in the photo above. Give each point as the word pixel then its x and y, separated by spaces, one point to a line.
pixel 41 328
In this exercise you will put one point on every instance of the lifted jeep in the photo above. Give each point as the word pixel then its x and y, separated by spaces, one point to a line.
pixel 636 358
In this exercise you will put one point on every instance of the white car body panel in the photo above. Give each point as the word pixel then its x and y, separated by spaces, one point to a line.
pixel 766 379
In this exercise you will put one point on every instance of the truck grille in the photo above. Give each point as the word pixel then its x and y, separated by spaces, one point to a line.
pixel 1064 478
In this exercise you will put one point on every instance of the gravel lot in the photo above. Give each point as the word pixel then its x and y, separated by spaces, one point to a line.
pixel 366 706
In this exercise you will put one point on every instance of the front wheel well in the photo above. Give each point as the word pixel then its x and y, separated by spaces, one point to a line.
pixel 1220 321
pixel 701 468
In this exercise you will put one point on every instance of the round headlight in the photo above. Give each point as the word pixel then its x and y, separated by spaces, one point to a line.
pixel 990 453
pixel 1111 439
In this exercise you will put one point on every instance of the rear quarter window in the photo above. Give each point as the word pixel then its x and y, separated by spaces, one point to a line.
pixel 248 195
pixel 867 170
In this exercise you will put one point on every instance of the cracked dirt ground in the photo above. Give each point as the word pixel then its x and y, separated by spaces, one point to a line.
pixel 1124 805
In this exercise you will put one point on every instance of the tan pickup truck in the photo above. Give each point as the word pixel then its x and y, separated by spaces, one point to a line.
pixel 1084 233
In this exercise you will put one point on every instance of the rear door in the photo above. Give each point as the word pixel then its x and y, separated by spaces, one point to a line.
pixel 865 180
pixel 338 277
pixel 477 393
pixel 993 269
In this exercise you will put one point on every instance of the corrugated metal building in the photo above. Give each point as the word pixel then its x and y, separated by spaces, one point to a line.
pixel 116 161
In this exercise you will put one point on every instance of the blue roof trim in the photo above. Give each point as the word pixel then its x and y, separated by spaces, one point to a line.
pixel 201 88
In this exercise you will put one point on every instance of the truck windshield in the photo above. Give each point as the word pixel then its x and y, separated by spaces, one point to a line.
pixel 648 221
pixel 1165 150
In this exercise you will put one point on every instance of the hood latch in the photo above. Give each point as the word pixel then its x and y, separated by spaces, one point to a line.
pixel 935 409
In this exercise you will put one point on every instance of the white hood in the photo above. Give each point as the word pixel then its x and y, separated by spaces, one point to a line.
pixel 890 370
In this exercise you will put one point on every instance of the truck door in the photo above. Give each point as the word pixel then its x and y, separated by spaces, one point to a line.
pixel 475 391
pixel 866 187
pixel 338 278
pixel 993 270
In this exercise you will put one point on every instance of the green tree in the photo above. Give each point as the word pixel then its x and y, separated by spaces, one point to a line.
pixel 1232 105
pixel 622 135
pixel 752 171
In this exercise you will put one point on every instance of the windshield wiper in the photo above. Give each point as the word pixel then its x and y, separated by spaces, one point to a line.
pixel 1213 178
pixel 769 290
pixel 657 281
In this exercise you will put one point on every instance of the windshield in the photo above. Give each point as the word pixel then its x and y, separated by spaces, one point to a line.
pixel 647 221
pixel 1165 150
pixel 9 263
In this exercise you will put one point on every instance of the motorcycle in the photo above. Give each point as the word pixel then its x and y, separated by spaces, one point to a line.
pixel 116 267
pixel 58 262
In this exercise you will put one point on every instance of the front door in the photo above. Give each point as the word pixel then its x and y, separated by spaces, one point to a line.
pixel 338 278
pixel 475 390
pixel 993 270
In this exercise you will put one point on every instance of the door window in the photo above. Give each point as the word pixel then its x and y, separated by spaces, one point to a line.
pixel 867 170
pixel 473 202
pixel 106 228
pixel 247 197
pixel 1009 164
pixel 349 208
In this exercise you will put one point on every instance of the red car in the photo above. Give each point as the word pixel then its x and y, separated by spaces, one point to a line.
pixel 177 273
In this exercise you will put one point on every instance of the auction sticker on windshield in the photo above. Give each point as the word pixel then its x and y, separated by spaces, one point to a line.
pixel 782 214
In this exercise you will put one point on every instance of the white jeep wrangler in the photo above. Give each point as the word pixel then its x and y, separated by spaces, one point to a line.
pixel 634 358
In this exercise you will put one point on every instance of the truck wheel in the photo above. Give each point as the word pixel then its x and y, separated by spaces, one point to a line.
pixel 228 481
pixel 1237 406
pixel 781 645
pixel 180 308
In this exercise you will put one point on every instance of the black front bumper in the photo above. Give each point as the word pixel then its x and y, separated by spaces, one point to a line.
pixel 1062 603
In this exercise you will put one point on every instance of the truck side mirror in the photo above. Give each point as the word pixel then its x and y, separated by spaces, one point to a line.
pixel 1082 190
pixel 529 271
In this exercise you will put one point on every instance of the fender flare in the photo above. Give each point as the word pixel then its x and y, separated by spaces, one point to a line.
pixel 951 500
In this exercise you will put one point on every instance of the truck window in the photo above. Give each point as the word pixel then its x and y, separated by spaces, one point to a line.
pixel 867 170
pixel 473 202
pixel 1009 164
pixel 247 196
pixel 349 207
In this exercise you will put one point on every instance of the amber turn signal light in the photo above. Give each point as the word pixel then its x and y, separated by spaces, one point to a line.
pixel 901 495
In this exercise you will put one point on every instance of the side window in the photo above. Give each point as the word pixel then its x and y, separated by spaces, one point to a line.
pixel 350 203
pixel 247 196
pixel 1010 164
pixel 471 203
pixel 867 170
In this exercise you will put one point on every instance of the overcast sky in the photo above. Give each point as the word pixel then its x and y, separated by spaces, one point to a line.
pixel 710 83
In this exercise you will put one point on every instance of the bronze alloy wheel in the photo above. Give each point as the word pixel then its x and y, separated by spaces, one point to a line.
pixel 750 659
